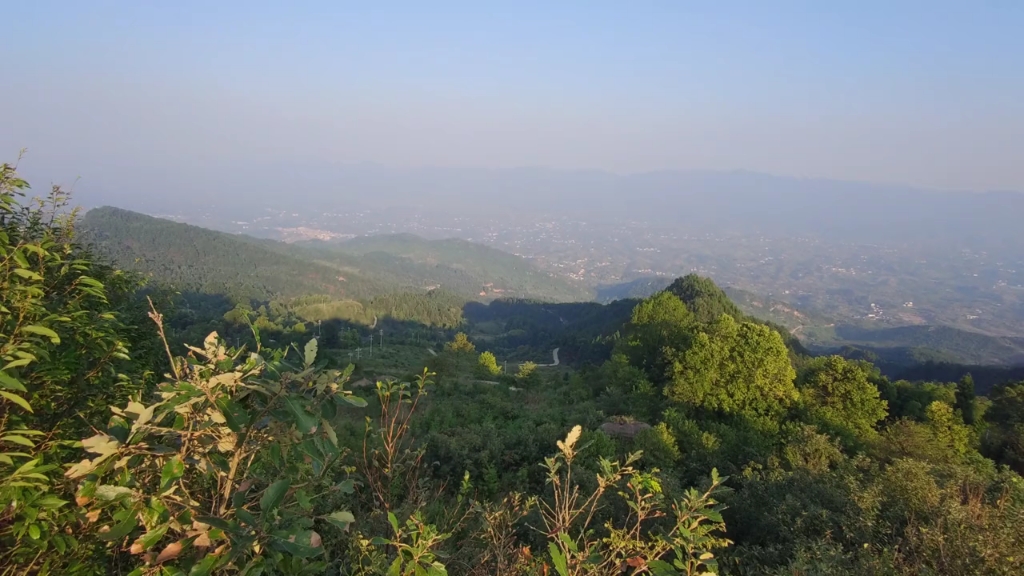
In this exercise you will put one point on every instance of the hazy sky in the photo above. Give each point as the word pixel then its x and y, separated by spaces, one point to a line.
pixel 928 93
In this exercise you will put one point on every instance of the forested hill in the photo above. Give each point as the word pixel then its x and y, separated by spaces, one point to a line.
pixel 193 259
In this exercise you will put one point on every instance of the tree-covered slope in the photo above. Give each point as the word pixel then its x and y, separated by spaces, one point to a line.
pixel 193 259
pixel 189 258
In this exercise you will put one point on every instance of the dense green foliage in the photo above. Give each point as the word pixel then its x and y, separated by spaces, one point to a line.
pixel 839 397
pixel 193 259
pixel 673 435
pixel 733 368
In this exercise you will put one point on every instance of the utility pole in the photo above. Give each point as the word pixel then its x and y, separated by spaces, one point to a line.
pixel 382 339
pixel 371 344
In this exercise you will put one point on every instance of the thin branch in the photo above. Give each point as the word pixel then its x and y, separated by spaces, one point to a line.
pixel 158 319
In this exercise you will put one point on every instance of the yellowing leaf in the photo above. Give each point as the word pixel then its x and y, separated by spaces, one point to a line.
pixel 101 444
pixel 310 352
pixel 169 553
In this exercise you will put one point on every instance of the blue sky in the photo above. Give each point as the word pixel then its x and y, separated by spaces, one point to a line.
pixel 924 93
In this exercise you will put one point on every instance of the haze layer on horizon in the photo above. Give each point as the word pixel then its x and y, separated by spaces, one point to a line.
pixel 191 94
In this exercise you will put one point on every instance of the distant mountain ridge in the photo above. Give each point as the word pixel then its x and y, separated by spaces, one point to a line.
pixel 191 258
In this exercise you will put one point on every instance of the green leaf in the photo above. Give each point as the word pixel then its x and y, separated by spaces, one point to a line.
pixel 356 401
pixel 108 492
pixel 714 516
pixel 220 523
pixel 11 383
pixel 569 543
pixel 220 461
pixel 206 567
pixel 331 435
pixel 19 440
pixel 272 497
pixel 150 539
pixel 34 532
pixel 558 559
pixel 17 363
pixel 16 399
pixel 393 520
pixel 246 516
pixel 50 501
pixel 90 282
pixel 396 567
pixel 310 352
pixel 173 469
pixel 121 530
pixel 42 331
pixel 662 568
pixel 27 467
pixel 19 258
pixel 329 410
pixel 342 519
pixel 235 416
pixel 304 421
pixel 299 543
pixel 27 274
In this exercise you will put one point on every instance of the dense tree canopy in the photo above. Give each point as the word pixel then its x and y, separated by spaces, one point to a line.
pixel 735 368
pixel 704 299
pixel 839 397
pixel 657 326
